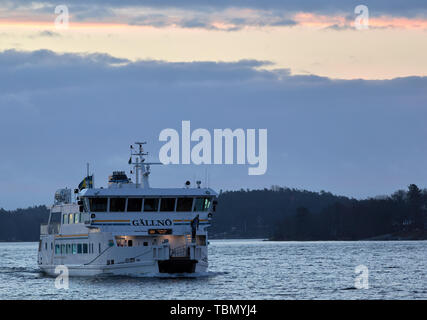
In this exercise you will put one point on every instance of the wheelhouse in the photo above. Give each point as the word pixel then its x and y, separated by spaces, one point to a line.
pixel 151 204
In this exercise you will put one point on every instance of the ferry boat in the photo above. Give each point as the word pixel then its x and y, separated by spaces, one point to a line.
pixel 128 228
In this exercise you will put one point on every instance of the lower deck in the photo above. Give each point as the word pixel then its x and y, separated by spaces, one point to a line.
pixel 102 251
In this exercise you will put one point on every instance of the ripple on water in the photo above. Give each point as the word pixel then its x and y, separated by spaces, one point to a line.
pixel 242 269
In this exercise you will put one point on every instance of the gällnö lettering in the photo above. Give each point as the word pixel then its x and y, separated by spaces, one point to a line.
pixel 201 153
pixel 152 223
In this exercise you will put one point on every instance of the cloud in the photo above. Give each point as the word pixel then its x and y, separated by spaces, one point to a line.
pixel 226 15
pixel 224 21
pixel 46 34
pixel 409 8
pixel 68 109
pixel 156 20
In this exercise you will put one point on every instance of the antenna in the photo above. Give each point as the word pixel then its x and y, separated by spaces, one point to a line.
pixel 92 184
pixel 139 164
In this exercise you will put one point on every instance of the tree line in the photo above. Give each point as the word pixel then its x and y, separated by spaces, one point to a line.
pixel 290 214
pixel 281 213
pixel 22 224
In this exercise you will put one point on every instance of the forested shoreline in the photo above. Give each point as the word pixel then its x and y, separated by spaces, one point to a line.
pixel 22 224
pixel 291 214
pixel 281 213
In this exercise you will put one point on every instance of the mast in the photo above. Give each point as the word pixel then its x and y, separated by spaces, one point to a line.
pixel 140 166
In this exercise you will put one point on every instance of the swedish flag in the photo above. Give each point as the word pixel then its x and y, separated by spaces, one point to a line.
pixel 87 183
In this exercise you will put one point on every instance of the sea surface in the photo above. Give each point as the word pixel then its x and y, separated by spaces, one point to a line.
pixel 245 269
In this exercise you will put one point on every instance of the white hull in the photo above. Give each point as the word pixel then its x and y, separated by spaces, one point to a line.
pixel 132 270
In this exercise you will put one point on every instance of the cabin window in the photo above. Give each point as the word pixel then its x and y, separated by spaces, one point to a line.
pixel 74 248
pixel 77 217
pixel 55 218
pixel 151 204
pixel 99 247
pixel 65 219
pixel 117 204
pixel 70 218
pixel 45 245
pixel 202 204
pixel 134 204
pixel 84 247
pixel 98 204
pixel 184 204
pixel 167 204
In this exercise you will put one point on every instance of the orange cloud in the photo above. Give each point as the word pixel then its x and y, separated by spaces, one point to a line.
pixel 318 21
pixel 226 22
pixel 324 21
pixel 398 22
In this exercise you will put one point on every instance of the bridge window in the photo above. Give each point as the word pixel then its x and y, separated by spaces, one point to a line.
pixel 85 248
pixel 167 204
pixel 79 248
pixel 98 204
pixel 74 248
pixel 134 204
pixel 117 204
pixel 184 204
pixel 65 219
pixel 76 217
pixel 151 204
pixel 70 218
pixel 69 249
pixel 202 204
pixel 57 249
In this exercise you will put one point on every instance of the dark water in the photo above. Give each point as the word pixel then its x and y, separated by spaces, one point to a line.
pixel 244 269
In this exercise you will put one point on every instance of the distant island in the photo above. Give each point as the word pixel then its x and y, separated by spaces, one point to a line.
pixel 284 214
pixel 299 215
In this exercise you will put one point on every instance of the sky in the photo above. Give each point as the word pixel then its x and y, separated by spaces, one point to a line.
pixel 345 109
